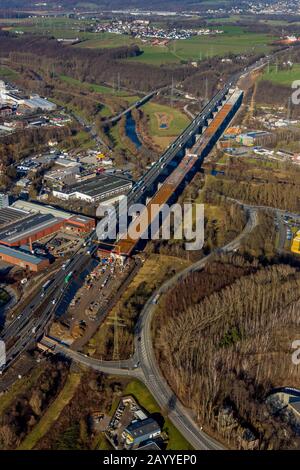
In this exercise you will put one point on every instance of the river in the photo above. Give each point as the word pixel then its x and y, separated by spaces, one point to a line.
pixel 130 129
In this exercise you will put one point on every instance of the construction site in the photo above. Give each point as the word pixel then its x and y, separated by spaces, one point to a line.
pixel 188 165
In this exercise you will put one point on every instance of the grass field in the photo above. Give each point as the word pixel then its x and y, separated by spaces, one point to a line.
pixel 234 40
pixel 52 413
pixel 19 387
pixel 282 77
pixel 65 28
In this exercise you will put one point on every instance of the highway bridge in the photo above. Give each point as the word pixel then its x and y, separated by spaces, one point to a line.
pixel 204 133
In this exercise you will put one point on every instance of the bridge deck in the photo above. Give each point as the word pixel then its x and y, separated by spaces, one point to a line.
pixel 127 243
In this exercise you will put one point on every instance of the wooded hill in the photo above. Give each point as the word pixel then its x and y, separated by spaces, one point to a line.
pixel 223 340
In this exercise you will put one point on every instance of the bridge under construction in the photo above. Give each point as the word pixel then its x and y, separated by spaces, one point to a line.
pixel 189 163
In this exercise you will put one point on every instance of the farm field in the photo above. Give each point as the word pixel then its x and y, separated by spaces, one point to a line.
pixel 282 77
pixel 234 40
pixel 165 122
pixel 65 28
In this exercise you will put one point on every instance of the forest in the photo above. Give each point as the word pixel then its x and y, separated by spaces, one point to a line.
pixel 222 351
pixel 264 186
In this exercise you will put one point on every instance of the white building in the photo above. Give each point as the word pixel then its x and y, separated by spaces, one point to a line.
pixel 2 354
pixel 4 200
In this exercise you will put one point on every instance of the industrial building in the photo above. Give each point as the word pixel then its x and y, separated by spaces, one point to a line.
pixel 37 226
pixel 141 431
pixel 9 215
pixel 36 102
pixel 80 222
pixel 95 189
pixel 61 177
pixel 23 259
pixel 25 222
pixel 30 229
pixel 4 200
pixel 251 138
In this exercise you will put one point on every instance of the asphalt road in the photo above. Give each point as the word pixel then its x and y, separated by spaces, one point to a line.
pixel 27 328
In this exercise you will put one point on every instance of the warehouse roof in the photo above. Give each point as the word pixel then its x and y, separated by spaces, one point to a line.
pixel 97 185
pixel 43 209
pixel 142 428
pixel 10 214
pixel 21 255
pixel 80 219
pixel 38 102
pixel 27 227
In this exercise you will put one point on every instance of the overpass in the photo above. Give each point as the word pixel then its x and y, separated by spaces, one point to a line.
pixel 137 104
pixel 185 168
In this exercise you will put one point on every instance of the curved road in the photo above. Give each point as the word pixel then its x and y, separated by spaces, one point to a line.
pixel 143 365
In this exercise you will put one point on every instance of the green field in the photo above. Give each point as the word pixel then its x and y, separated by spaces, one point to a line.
pixel 65 28
pixel 108 40
pixel 176 120
pixel 282 77
pixel 104 90
pixel 234 40
pixel 145 399
pixel 7 74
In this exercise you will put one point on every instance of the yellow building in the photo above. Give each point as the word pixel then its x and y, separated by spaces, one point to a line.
pixel 295 248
